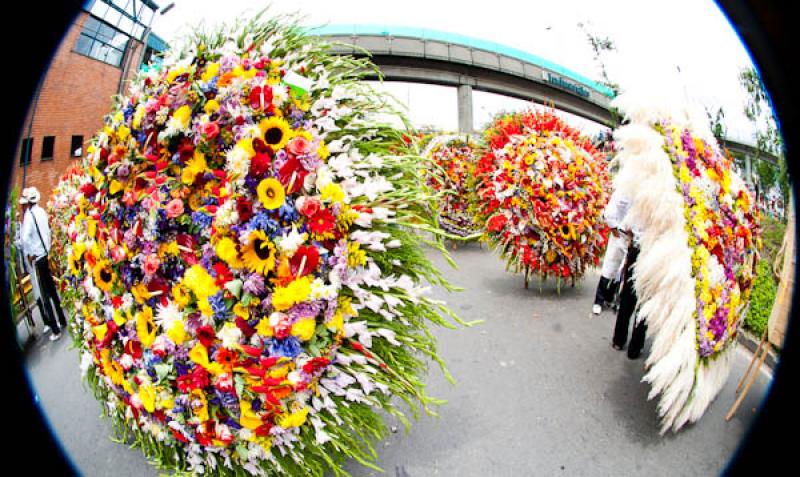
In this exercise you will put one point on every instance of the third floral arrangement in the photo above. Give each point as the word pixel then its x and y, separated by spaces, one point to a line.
pixel 454 157
pixel 542 189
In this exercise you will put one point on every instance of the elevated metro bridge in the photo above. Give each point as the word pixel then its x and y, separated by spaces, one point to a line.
pixel 434 57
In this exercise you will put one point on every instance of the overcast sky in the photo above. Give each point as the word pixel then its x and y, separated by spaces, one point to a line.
pixel 685 43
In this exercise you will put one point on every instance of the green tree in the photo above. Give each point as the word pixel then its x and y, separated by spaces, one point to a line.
pixel 768 137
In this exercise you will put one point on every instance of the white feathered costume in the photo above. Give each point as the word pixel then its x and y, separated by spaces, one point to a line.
pixel 663 272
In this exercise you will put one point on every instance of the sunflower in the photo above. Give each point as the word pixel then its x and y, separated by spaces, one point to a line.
pixel 271 193
pixel 146 327
pixel 277 132
pixel 75 264
pixel 104 275
pixel 259 255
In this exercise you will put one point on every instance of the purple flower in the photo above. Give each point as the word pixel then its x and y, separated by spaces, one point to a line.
pixel 254 284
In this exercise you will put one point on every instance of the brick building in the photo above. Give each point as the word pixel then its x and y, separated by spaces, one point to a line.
pixel 103 45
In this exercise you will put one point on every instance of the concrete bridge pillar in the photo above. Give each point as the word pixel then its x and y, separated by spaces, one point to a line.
pixel 748 168
pixel 465 108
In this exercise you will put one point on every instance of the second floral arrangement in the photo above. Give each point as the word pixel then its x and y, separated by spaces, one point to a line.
pixel 541 192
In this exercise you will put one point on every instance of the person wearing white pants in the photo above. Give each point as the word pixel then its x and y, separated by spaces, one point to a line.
pixel 616 250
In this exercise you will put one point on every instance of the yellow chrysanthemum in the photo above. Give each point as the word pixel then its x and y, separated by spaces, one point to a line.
pixel 177 332
pixel 271 193
pixel 198 280
pixel 332 192
pixel 212 70
pixel 259 255
pixel 297 291
pixel 227 252
pixel 304 328
pixel 277 132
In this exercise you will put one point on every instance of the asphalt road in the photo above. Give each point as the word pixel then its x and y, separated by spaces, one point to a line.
pixel 539 391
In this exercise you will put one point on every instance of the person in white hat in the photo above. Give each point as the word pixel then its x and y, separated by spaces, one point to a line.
pixel 35 241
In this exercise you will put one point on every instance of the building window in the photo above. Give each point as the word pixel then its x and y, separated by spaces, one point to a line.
pixel 25 151
pixel 76 147
pixel 101 41
pixel 48 144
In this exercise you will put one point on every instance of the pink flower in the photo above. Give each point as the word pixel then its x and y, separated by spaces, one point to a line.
pixel 299 146
pixel 308 206
pixel 210 129
pixel 118 254
pixel 150 264
pixel 174 208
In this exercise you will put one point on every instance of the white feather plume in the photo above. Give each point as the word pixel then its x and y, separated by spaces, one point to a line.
pixel 663 271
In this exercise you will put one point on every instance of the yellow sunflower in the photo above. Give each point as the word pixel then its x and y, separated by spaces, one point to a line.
pixel 104 275
pixel 271 193
pixel 277 132
pixel 259 255
pixel 146 327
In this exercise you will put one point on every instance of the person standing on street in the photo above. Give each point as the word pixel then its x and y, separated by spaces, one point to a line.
pixel 35 241
pixel 615 252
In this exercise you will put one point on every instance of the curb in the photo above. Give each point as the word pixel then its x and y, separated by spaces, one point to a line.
pixel 751 343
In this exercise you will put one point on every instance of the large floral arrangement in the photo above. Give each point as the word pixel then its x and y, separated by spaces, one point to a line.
pixel 698 233
pixel 251 289
pixel 61 206
pixel 455 159
pixel 541 194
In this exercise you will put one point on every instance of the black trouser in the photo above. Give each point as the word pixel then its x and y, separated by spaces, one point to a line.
pixel 50 301
pixel 627 305
pixel 605 291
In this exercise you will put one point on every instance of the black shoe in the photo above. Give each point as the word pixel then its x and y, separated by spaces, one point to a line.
pixel 634 355
pixel 616 346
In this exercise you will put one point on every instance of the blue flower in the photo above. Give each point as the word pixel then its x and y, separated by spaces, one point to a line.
pixel 289 347
pixel 262 221
pixel 218 305
pixel 201 220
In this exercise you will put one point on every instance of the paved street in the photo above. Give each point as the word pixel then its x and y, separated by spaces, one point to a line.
pixel 539 391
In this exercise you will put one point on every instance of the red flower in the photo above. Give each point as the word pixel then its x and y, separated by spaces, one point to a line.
pixel 206 335
pixel 315 364
pixel 244 209
pixel 197 379
pixel 260 97
pixel 308 257
pixel 322 222
pixel 260 164
pixel 308 206
pixel 226 357
pixel 243 325
pixel 134 348
pixel 496 223
pixel 292 175
pixel 186 149
pixel 224 274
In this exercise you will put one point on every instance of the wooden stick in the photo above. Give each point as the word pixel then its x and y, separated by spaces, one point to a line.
pixel 526 277
pixel 752 360
pixel 749 383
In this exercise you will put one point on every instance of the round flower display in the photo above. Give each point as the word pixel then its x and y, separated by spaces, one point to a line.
pixel 454 157
pixel 697 228
pixel 542 189
pixel 251 291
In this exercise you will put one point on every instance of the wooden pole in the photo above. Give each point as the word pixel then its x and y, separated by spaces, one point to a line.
pixel 749 383
pixel 752 360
